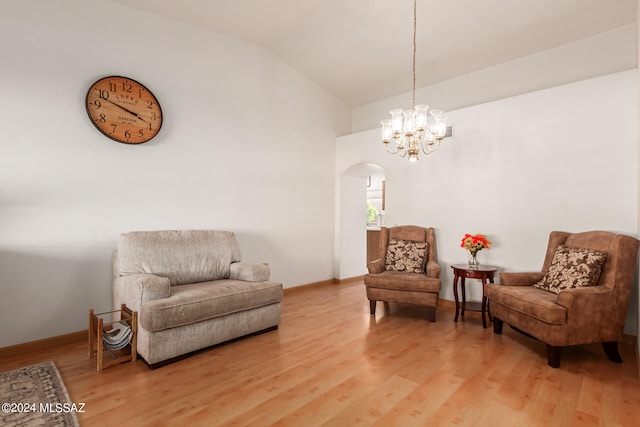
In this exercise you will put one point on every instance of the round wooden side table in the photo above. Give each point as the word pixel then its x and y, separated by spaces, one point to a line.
pixel 463 271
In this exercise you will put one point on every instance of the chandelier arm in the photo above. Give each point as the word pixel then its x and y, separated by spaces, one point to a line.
pixel 424 147
pixel 429 147
pixel 389 151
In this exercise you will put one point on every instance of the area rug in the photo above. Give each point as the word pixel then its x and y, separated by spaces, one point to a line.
pixel 36 396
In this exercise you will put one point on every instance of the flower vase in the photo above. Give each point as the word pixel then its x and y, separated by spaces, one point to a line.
pixel 473 260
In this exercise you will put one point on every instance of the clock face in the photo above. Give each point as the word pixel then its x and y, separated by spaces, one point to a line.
pixel 124 110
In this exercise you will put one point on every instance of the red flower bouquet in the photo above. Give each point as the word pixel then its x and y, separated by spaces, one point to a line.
pixel 475 243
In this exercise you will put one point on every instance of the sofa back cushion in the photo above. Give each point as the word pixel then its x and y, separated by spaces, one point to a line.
pixel 408 232
pixel 406 255
pixel 572 268
pixel 183 256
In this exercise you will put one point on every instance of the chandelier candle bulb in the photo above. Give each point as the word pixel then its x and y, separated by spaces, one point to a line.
pixel 409 122
pixel 387 133
pixel 439 123
pixel 397 122
pixel 421 117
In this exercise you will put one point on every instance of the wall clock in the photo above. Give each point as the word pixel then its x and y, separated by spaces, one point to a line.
pixel 124 110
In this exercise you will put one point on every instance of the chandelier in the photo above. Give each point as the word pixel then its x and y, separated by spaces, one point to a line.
pixel 409 131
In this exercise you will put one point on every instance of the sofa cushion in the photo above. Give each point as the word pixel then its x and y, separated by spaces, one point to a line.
pixel 401 280
pixel 201 301
pixel 183 256
pixel 406 255
pixel 572 268
pixel 528 300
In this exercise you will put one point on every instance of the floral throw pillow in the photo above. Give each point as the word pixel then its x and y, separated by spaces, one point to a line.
pixel 572 268
pixel 406 255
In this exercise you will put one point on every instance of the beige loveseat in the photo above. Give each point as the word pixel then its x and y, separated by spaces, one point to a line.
pixel 191 291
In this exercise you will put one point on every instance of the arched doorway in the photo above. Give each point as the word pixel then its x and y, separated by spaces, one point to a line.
pixel 353 224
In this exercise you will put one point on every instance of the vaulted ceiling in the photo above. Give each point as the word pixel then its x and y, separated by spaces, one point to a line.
pixel 360 50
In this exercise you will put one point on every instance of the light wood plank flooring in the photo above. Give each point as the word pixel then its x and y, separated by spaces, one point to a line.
pixel 332 364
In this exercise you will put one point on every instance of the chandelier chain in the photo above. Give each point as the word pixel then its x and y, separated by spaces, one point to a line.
pixel 415 7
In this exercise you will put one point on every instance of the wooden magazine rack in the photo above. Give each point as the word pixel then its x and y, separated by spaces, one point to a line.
pixel 97 325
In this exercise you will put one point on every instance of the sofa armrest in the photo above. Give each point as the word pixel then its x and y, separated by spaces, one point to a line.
pixel 433 269
pixel 376 266
pixel 520 279
pixel 593 302
pixel 249 272
pixel 136 289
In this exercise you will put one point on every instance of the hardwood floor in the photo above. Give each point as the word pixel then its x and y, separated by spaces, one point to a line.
pixel 331 363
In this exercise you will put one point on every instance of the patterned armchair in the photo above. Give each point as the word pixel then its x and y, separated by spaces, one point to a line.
pixel 406 270
pixel 580 296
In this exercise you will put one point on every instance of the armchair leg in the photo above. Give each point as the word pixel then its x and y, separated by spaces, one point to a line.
pixel 611 350
pixel 553 355
pixel 432 314
pixel 497 326
pixel 372 307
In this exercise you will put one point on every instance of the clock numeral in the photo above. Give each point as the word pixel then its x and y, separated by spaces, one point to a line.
pixel 103 118
pixel 103 94
pixel 154 116
pixel 127 135
pixel 149 104
pixel 127 86
pixel 97 103
pixel 139 93
pixel 112 87
pixel 113 127
pixel 141 133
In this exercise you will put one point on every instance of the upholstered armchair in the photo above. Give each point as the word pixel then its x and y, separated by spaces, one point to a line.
pixel 580 296
pixel 406 270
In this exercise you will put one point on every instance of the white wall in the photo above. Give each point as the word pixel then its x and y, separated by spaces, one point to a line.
pixel 247 145
pixel 590 57
pixel 564 158
pixel 637 290
pixel 354 222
